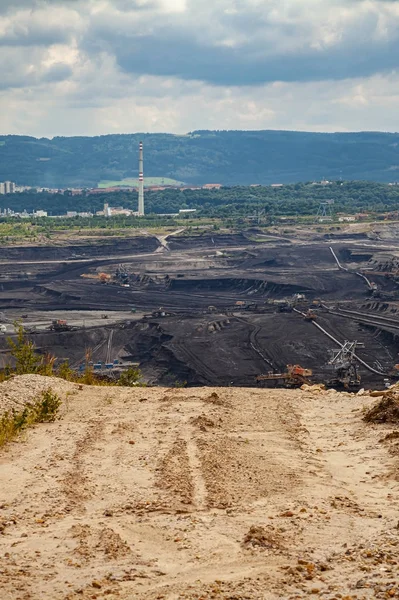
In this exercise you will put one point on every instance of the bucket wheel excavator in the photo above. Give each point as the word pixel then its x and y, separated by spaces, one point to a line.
pixel 346 370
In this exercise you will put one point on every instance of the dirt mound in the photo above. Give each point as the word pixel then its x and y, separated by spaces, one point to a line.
pixel 385 411
pixel 92 542
pixel 22 389
pixel 203 422
pixel 313 389
pixel 214 398
pixel 262 537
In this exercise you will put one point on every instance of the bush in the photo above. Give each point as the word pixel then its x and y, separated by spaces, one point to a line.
pixel 47 406
pixel 43 409
pixel 180 384
pixel 130 378
pixel 46 365
pixel 64 371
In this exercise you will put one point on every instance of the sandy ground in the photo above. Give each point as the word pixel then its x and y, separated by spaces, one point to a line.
pixel 200 493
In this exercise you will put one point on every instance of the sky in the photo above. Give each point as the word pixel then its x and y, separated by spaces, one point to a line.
pixel 93 67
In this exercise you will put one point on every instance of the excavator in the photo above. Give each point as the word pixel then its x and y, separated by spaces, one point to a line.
pixel 346 370
pixel 295 376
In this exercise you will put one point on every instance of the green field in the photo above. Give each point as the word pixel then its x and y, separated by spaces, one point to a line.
pixel 148 181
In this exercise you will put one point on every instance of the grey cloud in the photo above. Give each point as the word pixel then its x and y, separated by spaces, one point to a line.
pixel 34 35
pixel 15 5
pixel 24 68
pixel 57 72
pixel 188 60
pixel 186 50
pixel 230 42
pixel 137 54
pixel 7 5
pixel 129 5
pixel 38 23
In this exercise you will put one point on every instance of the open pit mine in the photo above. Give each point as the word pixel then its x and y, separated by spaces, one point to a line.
pixel 220 491
pixel 248 309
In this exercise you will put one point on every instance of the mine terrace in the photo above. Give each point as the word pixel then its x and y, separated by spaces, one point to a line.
pixel 213 309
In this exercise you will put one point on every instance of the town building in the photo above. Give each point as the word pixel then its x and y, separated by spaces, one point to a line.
pixel 212 186
pixel 7 187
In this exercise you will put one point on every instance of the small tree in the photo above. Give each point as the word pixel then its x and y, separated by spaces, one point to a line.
pixel 23 351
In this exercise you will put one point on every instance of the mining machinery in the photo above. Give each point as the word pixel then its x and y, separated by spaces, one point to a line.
pixel 295 376
pixel 346 370
pixel 310 315
pixel 104 277
pixel 60 325
pixel 285 306
pixel 122 274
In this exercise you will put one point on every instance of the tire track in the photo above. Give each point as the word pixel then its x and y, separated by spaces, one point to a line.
pixel 200 491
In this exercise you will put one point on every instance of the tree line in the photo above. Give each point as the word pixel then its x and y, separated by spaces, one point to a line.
pixel 289 200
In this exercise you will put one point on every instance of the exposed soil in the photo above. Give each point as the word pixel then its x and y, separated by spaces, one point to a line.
pixel 385 411
pixel 199 494
pixel 216 303
pixel 97 247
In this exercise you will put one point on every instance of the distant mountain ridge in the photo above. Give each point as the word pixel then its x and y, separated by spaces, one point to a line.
pixel 226 157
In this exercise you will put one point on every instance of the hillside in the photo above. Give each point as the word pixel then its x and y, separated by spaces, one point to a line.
pixel 203 493
pixel 227 157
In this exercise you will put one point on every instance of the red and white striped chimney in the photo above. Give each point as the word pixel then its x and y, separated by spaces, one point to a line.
pixel 141 181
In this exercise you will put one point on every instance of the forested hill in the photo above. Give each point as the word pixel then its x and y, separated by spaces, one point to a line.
pixel 227 157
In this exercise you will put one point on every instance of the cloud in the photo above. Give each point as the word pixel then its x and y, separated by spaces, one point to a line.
pixel 41 25
pixel 92 66
pixel 27 68
pixel 250 42
pixel 15 5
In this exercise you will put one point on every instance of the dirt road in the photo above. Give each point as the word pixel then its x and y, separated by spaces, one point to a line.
pixel 200 493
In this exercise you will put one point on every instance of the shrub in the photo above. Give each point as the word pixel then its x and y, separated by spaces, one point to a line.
pixel 43 409
pixel 130 378
pixel 47 406
pixel 180 384
pixel 64 371
pixel 46 365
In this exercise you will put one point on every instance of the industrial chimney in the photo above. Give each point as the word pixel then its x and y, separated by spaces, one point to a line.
pixel 141 182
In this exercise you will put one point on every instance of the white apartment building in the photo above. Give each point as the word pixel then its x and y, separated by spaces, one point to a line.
pixel 7 187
